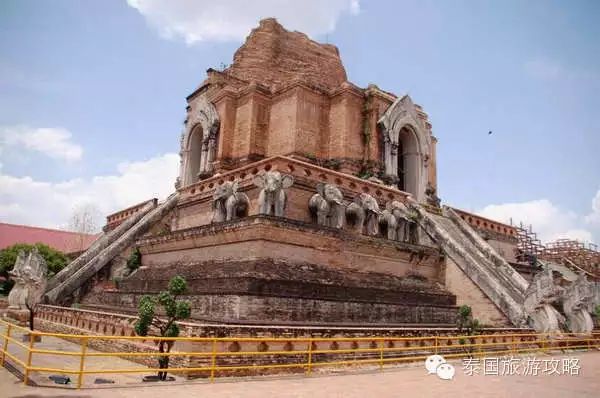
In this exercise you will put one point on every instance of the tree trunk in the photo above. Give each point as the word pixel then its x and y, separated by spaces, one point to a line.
pixel 163 361
pixel 31 316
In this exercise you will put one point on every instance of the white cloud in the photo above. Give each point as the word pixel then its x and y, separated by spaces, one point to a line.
pixel 549 221
pixel 24 200
pixel 594 217
pixel 55 142
pixel 224 20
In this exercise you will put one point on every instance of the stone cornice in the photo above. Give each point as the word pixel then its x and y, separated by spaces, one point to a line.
pixel 298 233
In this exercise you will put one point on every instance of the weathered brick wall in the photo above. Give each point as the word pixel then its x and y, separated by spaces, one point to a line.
pixel 282 123
pixel 290 310
pixel 467 293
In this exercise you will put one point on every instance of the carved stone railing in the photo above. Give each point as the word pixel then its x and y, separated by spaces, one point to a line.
pixel 298 169
pixel 115 324
pixel 485 224
pixel 78 276
pixel 113 220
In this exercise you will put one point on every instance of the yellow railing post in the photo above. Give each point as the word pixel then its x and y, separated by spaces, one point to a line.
pixel 213 360
pixel 589 343
pixel 29 355
pixel 84 345
pixel 543 342
pixel 309 368
pixel 5 344
pixel 381 355
pixel 435 345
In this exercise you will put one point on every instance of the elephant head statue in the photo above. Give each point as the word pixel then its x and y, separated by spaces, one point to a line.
pixel 328 205
pixel 364 210
pixel 396 221
pixel 228 203
pixel 272 197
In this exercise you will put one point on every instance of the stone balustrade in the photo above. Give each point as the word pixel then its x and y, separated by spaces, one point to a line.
pixel 300 170
pixel 485 224
pixel 113 220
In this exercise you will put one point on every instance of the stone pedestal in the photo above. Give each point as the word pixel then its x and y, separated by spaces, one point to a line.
pixel 21 317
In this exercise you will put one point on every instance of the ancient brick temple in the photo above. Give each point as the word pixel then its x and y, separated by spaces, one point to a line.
pixel 305 199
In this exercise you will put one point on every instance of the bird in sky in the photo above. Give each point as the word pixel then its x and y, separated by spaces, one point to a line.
pixel 489 132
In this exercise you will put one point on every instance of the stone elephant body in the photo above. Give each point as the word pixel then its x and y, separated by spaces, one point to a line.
pixel 364 210
pixel 328 206
pixel 396 221
pixel 228 203
pixel 272 197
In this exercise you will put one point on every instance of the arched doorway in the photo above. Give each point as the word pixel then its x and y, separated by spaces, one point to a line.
pixel 199 143
pixel 194 158
pixel 408 160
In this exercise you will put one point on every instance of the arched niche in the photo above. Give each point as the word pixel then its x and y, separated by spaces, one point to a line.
pixel 194 154
pixel 199 142
pixel 408 160
pixel 406 147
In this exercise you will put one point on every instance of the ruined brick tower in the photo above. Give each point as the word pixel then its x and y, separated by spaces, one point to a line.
pixel 304 199
pixel 287 95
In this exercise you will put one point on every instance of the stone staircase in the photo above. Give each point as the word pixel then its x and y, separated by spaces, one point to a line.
pixel 500 282
pixel 104 249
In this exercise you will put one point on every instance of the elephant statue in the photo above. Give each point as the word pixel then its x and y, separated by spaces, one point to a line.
pixel 272 197
pixel 328 206
pixel 364 210
pixel 228 203
pixel 396 221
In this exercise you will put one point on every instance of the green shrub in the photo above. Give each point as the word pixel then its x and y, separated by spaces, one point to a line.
pixel 135 260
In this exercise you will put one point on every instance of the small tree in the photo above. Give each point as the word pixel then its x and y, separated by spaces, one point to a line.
pixel 465 321
pixel 174 310
pixel 463 317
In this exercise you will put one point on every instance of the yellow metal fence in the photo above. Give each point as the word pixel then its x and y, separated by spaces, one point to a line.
pixel 214 362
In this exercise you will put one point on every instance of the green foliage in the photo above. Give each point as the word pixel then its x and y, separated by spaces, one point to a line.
pixel 177 285
pixel 55 260
pixel 135 260
pixel 465 321
pixel 333 164
pixel 365 172
pixel 184 310
pixel 175 310
pixel 369 168
pixel 597 311
pixel 464 311
pixel 310 156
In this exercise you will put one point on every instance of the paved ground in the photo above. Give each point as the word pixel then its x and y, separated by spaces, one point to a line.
pixel 409 381
pixel 71 362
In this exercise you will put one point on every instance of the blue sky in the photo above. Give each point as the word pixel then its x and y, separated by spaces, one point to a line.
pixel 92 96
